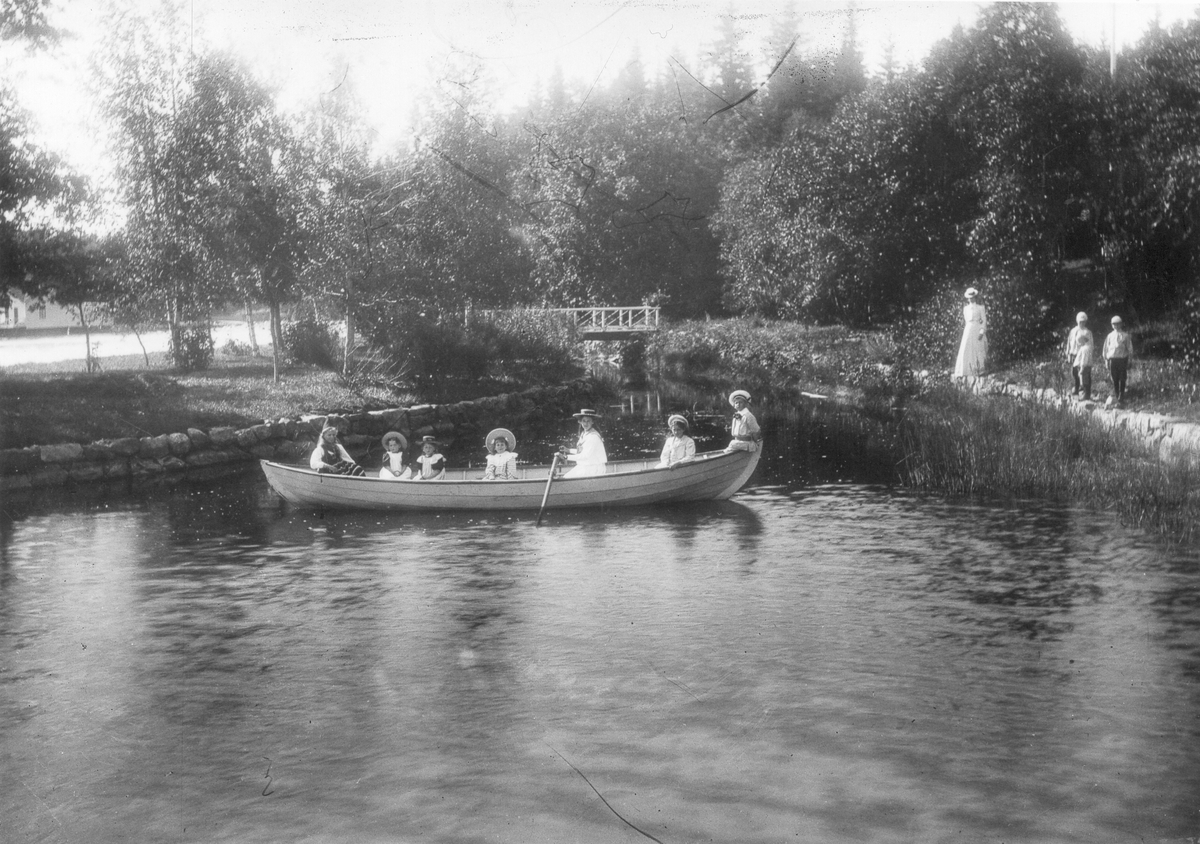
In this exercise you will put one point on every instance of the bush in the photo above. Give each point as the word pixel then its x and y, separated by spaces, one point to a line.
pixel 442 359
pixel 309 340
pixel 1188 348
pixel 195 349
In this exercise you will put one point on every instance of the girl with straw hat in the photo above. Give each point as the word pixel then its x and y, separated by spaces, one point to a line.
pixel 394 469
pixel 501 459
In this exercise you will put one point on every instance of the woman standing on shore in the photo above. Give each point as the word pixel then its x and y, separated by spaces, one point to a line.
pixel 972 351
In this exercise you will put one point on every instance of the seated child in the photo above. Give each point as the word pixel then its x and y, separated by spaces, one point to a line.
pixel 501 462
pixel 330 456
pixel 744 427
pixel 393 458
pixel 679 448
pixel 430 466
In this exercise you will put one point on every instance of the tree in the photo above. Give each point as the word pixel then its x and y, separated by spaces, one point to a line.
pixel 145 83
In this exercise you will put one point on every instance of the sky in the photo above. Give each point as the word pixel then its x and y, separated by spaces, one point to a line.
pixel 392 53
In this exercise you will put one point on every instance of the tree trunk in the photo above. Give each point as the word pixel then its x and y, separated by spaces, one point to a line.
pixel 276 339
pixel 91 363
pixel 349 327
pixel 250 326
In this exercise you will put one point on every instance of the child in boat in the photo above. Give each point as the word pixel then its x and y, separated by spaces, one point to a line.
pixel 431 466
pixel 744 429
pixel 331 458
pixel 501 460
pixel 393 457
pixel 588 455
pixel 679 448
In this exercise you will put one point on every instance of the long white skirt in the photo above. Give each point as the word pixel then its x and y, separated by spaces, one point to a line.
pixel 972 352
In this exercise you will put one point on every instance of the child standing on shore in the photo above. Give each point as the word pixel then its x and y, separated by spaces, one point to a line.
pixel 1082 364
pixel 1074 338
pixel 1118 349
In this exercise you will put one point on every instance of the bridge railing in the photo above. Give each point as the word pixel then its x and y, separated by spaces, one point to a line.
pixel 602 319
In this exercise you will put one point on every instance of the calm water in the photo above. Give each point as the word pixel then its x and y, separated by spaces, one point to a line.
pixel 806 662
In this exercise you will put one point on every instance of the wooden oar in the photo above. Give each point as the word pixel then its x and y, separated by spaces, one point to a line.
pixel 546 494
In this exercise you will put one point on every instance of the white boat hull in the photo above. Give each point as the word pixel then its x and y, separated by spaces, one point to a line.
pixel 713 476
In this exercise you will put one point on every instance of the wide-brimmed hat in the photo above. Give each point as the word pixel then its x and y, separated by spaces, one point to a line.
pixel 739 394
pixel 394 435
pixel 1081 317
pixel 675 417
pixel 971 293
pixel 429 441
pixel 496 434
pixel 586 412
pixel 1116 320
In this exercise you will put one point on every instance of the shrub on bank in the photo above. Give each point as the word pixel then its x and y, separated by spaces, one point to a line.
pixel 766 357
pixel 443 359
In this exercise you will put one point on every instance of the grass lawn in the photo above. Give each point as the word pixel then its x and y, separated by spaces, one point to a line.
pixel 42 404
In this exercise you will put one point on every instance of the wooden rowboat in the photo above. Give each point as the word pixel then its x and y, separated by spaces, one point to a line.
pixel 713 476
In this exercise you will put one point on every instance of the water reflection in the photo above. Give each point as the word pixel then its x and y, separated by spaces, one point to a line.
pixel 824 661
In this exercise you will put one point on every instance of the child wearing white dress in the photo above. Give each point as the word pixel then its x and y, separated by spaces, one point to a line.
pixel 393 458
pixel 431 466
pixel 501 463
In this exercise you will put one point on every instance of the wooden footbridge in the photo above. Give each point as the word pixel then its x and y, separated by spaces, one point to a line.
pixel 613 323
pixel 609 323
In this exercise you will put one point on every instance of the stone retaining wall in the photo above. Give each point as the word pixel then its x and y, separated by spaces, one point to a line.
pixel 1170 437
pixel 286 440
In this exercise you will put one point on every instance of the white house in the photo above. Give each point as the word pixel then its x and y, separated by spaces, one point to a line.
pixel 23 312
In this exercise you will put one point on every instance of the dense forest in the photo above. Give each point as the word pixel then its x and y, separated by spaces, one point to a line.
pixel 1012 159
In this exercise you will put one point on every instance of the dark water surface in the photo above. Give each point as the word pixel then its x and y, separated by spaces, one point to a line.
pixel 807 662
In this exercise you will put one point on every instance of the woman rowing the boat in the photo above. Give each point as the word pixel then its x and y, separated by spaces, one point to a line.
pixel 588 455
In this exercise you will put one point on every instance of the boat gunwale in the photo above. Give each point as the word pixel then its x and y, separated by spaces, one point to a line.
pixel 701 459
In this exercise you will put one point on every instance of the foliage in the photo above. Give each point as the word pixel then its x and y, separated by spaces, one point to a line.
pixel 444 359
pixel 765 357
pixel 1189 345
pixel 311 341
pixel 1019 323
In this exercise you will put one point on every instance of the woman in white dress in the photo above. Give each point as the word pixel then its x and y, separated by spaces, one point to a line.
pixel 588 455
pixel 972 351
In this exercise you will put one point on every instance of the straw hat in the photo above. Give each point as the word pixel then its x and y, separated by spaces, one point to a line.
pixel 1116 320
pixel 675 417
pixel 971 293
pixel 394 435
pixel 1081 317
pixel 739 394
pixel 429 441
pixel 588 412
pixel 495 434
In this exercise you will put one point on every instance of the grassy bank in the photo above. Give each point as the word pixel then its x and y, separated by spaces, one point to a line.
pixel 49 403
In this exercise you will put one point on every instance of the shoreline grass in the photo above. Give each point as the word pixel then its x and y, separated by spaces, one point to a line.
pixel 44 404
